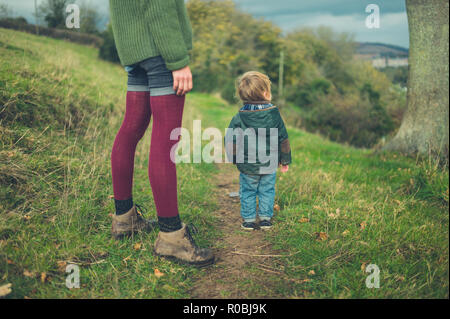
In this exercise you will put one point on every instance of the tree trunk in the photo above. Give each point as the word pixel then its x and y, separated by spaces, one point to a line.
pixel 424 129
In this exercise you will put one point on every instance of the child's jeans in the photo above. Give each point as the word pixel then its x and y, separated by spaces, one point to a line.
pixel 252 186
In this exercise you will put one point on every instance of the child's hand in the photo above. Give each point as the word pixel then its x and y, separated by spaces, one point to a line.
pixel 284 168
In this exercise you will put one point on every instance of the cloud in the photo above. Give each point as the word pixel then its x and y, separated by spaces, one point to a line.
pixel 343 16
pixel 341 7
pixel 393 26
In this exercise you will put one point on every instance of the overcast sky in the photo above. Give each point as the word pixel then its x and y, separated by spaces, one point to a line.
pixel 341 15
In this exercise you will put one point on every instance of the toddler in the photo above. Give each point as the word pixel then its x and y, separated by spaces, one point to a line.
pixel 257 142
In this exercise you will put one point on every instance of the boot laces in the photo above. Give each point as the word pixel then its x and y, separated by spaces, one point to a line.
pixel 189 235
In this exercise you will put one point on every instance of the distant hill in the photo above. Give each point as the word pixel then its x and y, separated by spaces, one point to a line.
pixel 381 50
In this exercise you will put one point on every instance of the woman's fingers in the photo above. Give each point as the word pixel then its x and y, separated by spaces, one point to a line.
pixel 182 81
pixel 181 88
pixel 175 84
pixel 187 85
pixel 190 84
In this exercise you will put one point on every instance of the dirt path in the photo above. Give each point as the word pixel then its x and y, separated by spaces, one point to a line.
pixel 239 272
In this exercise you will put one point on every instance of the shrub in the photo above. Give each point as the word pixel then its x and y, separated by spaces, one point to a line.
pixel 108 50
pixel 20 24
pixel 229 92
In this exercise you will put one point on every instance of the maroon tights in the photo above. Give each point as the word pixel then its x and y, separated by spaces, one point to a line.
pixel 167 113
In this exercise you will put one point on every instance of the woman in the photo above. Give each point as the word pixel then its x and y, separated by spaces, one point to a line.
pixel 153 38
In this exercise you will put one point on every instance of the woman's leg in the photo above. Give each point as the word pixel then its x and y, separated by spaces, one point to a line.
pixel 174 239
pixel 135 123
pixel 167 115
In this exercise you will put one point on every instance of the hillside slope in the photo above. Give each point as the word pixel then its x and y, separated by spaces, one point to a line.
pixel 341 208
pixel 381 49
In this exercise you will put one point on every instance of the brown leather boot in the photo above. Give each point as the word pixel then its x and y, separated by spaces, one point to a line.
pixel 129 223
pixel 180 246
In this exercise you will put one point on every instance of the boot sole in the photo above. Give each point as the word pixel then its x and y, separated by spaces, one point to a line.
pixel 201 264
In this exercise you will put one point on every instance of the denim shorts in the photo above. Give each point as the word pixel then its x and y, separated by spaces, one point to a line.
pixel 150 75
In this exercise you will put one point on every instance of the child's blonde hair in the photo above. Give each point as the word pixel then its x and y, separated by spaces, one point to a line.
pixel 252 85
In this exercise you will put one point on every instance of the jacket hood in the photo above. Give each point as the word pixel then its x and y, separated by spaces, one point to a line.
pixel 262 117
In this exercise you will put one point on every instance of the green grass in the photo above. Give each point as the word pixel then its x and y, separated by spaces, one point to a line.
pixel 61 108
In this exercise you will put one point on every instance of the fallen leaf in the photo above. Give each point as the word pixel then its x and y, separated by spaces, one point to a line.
pixel 276 207
pixel 311 272
pixel 137 246
pixel 5 290
pixel 158 274
pixel 43 277
pixel 321 236
pixel 345 232
pixel 27 273
pixel 363 265
pixel 111 196
pixel 9 262
pixel 335 215
pixel 304 220
pixel 301 281
pixel 363 225
pixel 27 217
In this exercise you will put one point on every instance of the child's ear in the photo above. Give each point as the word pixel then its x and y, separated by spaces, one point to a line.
pixel 267 96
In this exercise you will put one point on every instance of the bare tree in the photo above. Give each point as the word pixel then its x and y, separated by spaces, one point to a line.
pixel 425 129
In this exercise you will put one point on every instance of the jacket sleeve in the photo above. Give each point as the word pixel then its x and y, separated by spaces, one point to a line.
pixel 283 142
pixel 230 140
pixel 163 20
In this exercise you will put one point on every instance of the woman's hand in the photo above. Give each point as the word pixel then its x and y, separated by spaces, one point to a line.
pixel 182 80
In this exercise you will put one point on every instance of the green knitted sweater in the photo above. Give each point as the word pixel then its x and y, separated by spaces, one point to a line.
pixel 148 28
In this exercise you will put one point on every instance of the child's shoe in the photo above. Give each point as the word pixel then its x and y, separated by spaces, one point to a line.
pixel 265 224
pixel 249 226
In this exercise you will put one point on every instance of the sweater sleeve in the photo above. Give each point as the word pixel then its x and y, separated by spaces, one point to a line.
pixel 162 17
